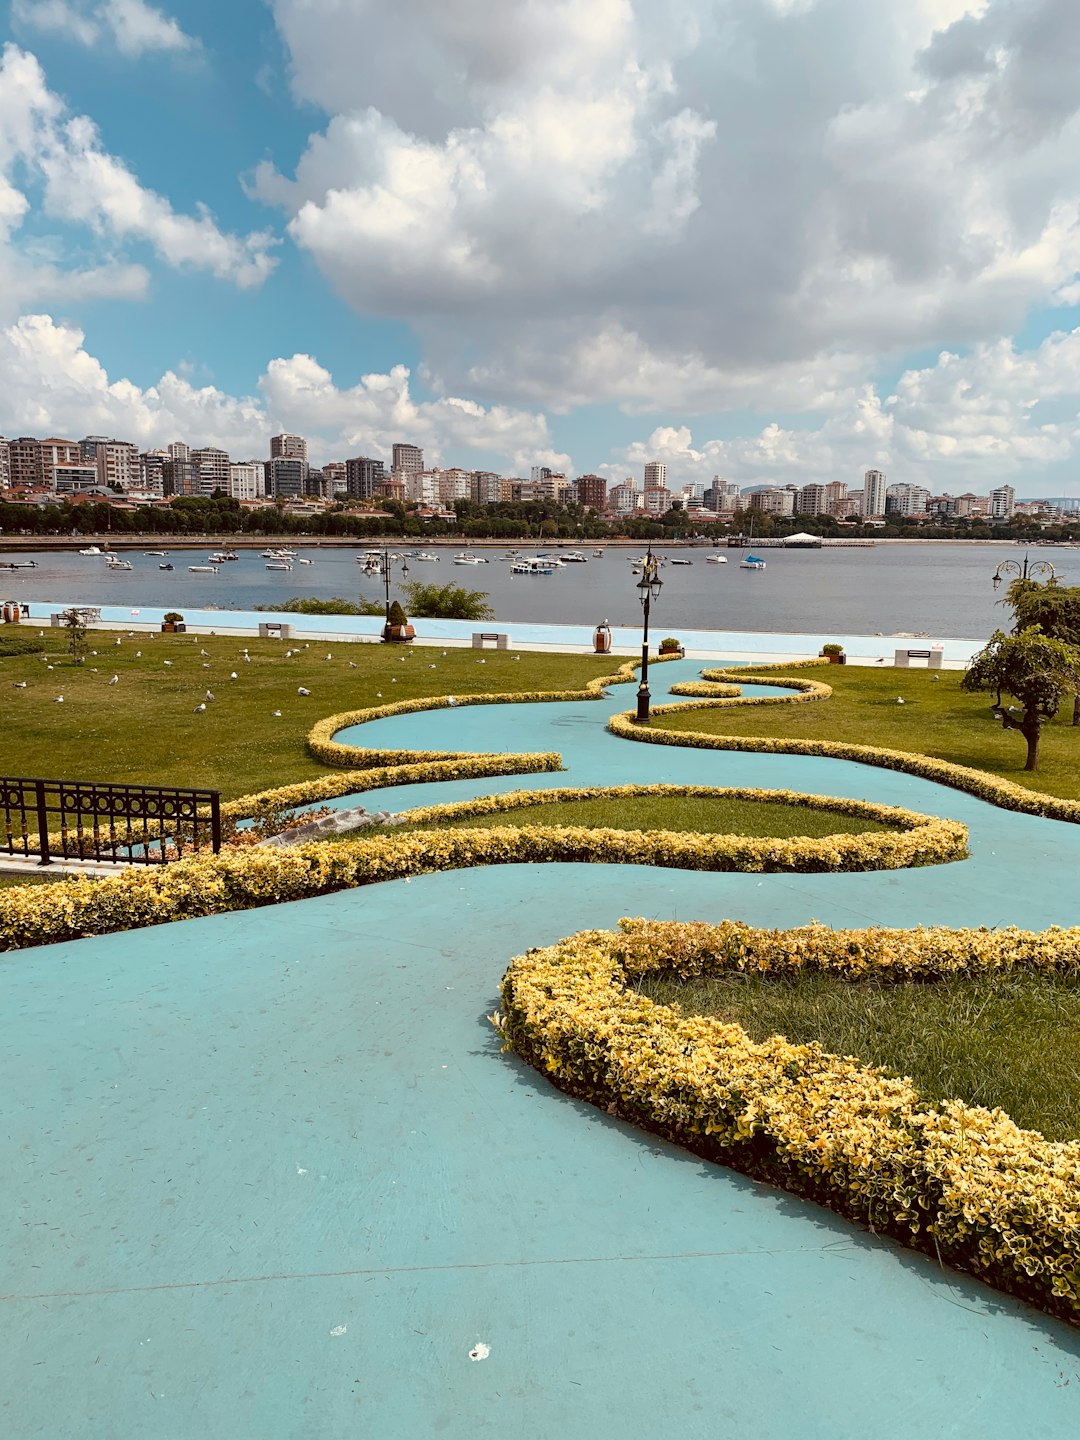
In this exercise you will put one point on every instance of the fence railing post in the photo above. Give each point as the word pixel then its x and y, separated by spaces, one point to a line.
pixel 42 823
pixel 215 821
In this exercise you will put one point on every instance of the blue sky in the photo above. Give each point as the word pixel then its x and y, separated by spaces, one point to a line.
pixel 775 240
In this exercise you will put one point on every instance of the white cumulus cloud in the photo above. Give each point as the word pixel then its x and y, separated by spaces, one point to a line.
pixel 132 27
pixel 42 144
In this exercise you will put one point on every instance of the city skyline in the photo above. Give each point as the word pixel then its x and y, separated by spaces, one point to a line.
pixel 584 236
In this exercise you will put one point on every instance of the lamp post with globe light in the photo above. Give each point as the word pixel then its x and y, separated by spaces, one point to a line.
pixel 648 587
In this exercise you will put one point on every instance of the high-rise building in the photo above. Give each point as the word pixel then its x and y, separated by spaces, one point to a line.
pixel 180 475
pixel 117 464
pixel 773 501
pixel 873 501
pixel 485 487
pixel 657 500
pixel 24 460
pixel 247 480
pixel 453 485
pixel 152 471
pixel 422 487
pixel 212 470
pixel 407 460
pixel 288 447
pixel 655 475
pixel 362 474
pixel 591 491
pixel 53 452
pixel 540 472
pixel 334 470
pixel 1002 502
pixel 810 500
pixel 284 477
pixel 178 450
pixel 5 464
pixel 622 499
pixel 906 500
pixel 88 447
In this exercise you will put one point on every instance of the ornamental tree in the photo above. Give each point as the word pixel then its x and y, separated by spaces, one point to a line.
pixel 1054 608
pixel 1035 669
pixel 447 602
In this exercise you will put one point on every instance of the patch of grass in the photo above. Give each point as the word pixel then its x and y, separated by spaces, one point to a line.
pixel 143 729
pixel 993 1041
pixel 703 816
pixel 937 718
pixel 9 879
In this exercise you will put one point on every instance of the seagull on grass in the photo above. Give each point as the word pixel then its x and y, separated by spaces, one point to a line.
pixel 58 699
pixel 198 709
pixel 19 684
pixel 166 662
pixel 233 676
pixel 209 695
pixel 276 714
pixel 300 690
pixel 115 680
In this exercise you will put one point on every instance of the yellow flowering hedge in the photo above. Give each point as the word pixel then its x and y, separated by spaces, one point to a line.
pixel 237 880
pixel 719 686
pixel 980 783
pixel 463 767
pixel 321 743
pixel 959 1181
pixel 913 840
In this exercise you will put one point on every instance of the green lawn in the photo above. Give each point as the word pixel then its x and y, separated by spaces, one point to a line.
pixel 997 1041
pixel 703 816
pixel 143 729
pixel 937 718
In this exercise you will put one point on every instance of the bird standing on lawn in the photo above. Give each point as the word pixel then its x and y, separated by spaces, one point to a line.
pixel 115 680
pixel 198 708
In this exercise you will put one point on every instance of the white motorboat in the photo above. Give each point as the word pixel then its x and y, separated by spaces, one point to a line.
pixel 426 555
pixel 681 562
pixel 752 562
pixel 574 557
pixel 114 562
pixel 218 559
pixel 91 550
pixel 279 565
pixel 531 567
pixel 166 566
pixel 156 552
pixel 302 560
pixel 598 554
pixel 203 569
pixel 715 559
pixel 469 560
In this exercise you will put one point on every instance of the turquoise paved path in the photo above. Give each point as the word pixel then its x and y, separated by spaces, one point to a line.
pixel 269 1176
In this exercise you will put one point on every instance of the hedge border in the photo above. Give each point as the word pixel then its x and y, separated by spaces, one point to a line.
pixel 960 1182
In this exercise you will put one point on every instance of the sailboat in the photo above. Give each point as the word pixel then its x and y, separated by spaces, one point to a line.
pixel 750 561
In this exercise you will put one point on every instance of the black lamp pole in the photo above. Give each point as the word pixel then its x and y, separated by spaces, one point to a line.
pixel 386 564
pixel 649 590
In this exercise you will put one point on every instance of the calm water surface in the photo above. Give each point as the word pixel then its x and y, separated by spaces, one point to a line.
pixel 937 589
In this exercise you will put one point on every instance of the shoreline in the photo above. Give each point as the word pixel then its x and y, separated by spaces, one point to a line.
pixel 747 645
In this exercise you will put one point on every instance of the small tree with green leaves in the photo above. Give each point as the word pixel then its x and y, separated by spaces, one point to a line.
pixel 1035 669
pixel 1054 608
pixel 75 625
pixel 447 602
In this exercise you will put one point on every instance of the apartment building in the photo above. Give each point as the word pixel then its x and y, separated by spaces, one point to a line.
pixel 873 503
pixel 247 480
pixel 288 447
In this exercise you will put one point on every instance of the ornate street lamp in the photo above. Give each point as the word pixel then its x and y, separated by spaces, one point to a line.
pixel 387 561
pixel 1025 571
pixel 648 588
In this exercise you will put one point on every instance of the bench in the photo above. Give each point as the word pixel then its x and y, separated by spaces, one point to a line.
pixel 274 630
pixel 933 657
pixel 498 638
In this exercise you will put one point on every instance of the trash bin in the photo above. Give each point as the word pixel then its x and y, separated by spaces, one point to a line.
pixel 602 639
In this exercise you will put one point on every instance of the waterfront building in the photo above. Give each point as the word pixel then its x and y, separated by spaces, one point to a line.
pixel 591 491
pixel 284 478
pixel 247 480
pixel 5 464
pixel 362 475
pixel 1002 503
pixel 811 500
pixel 873 503
pixel 907 500
pixel 655 475
pixel 74 479
pixel 211 470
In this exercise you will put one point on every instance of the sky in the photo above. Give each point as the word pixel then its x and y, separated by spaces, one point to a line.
pixel 778 241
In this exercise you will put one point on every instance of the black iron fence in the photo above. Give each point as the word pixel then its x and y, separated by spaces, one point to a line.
pixel 143 824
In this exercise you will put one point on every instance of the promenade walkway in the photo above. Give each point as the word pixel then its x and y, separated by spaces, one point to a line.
pixel 269 1175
